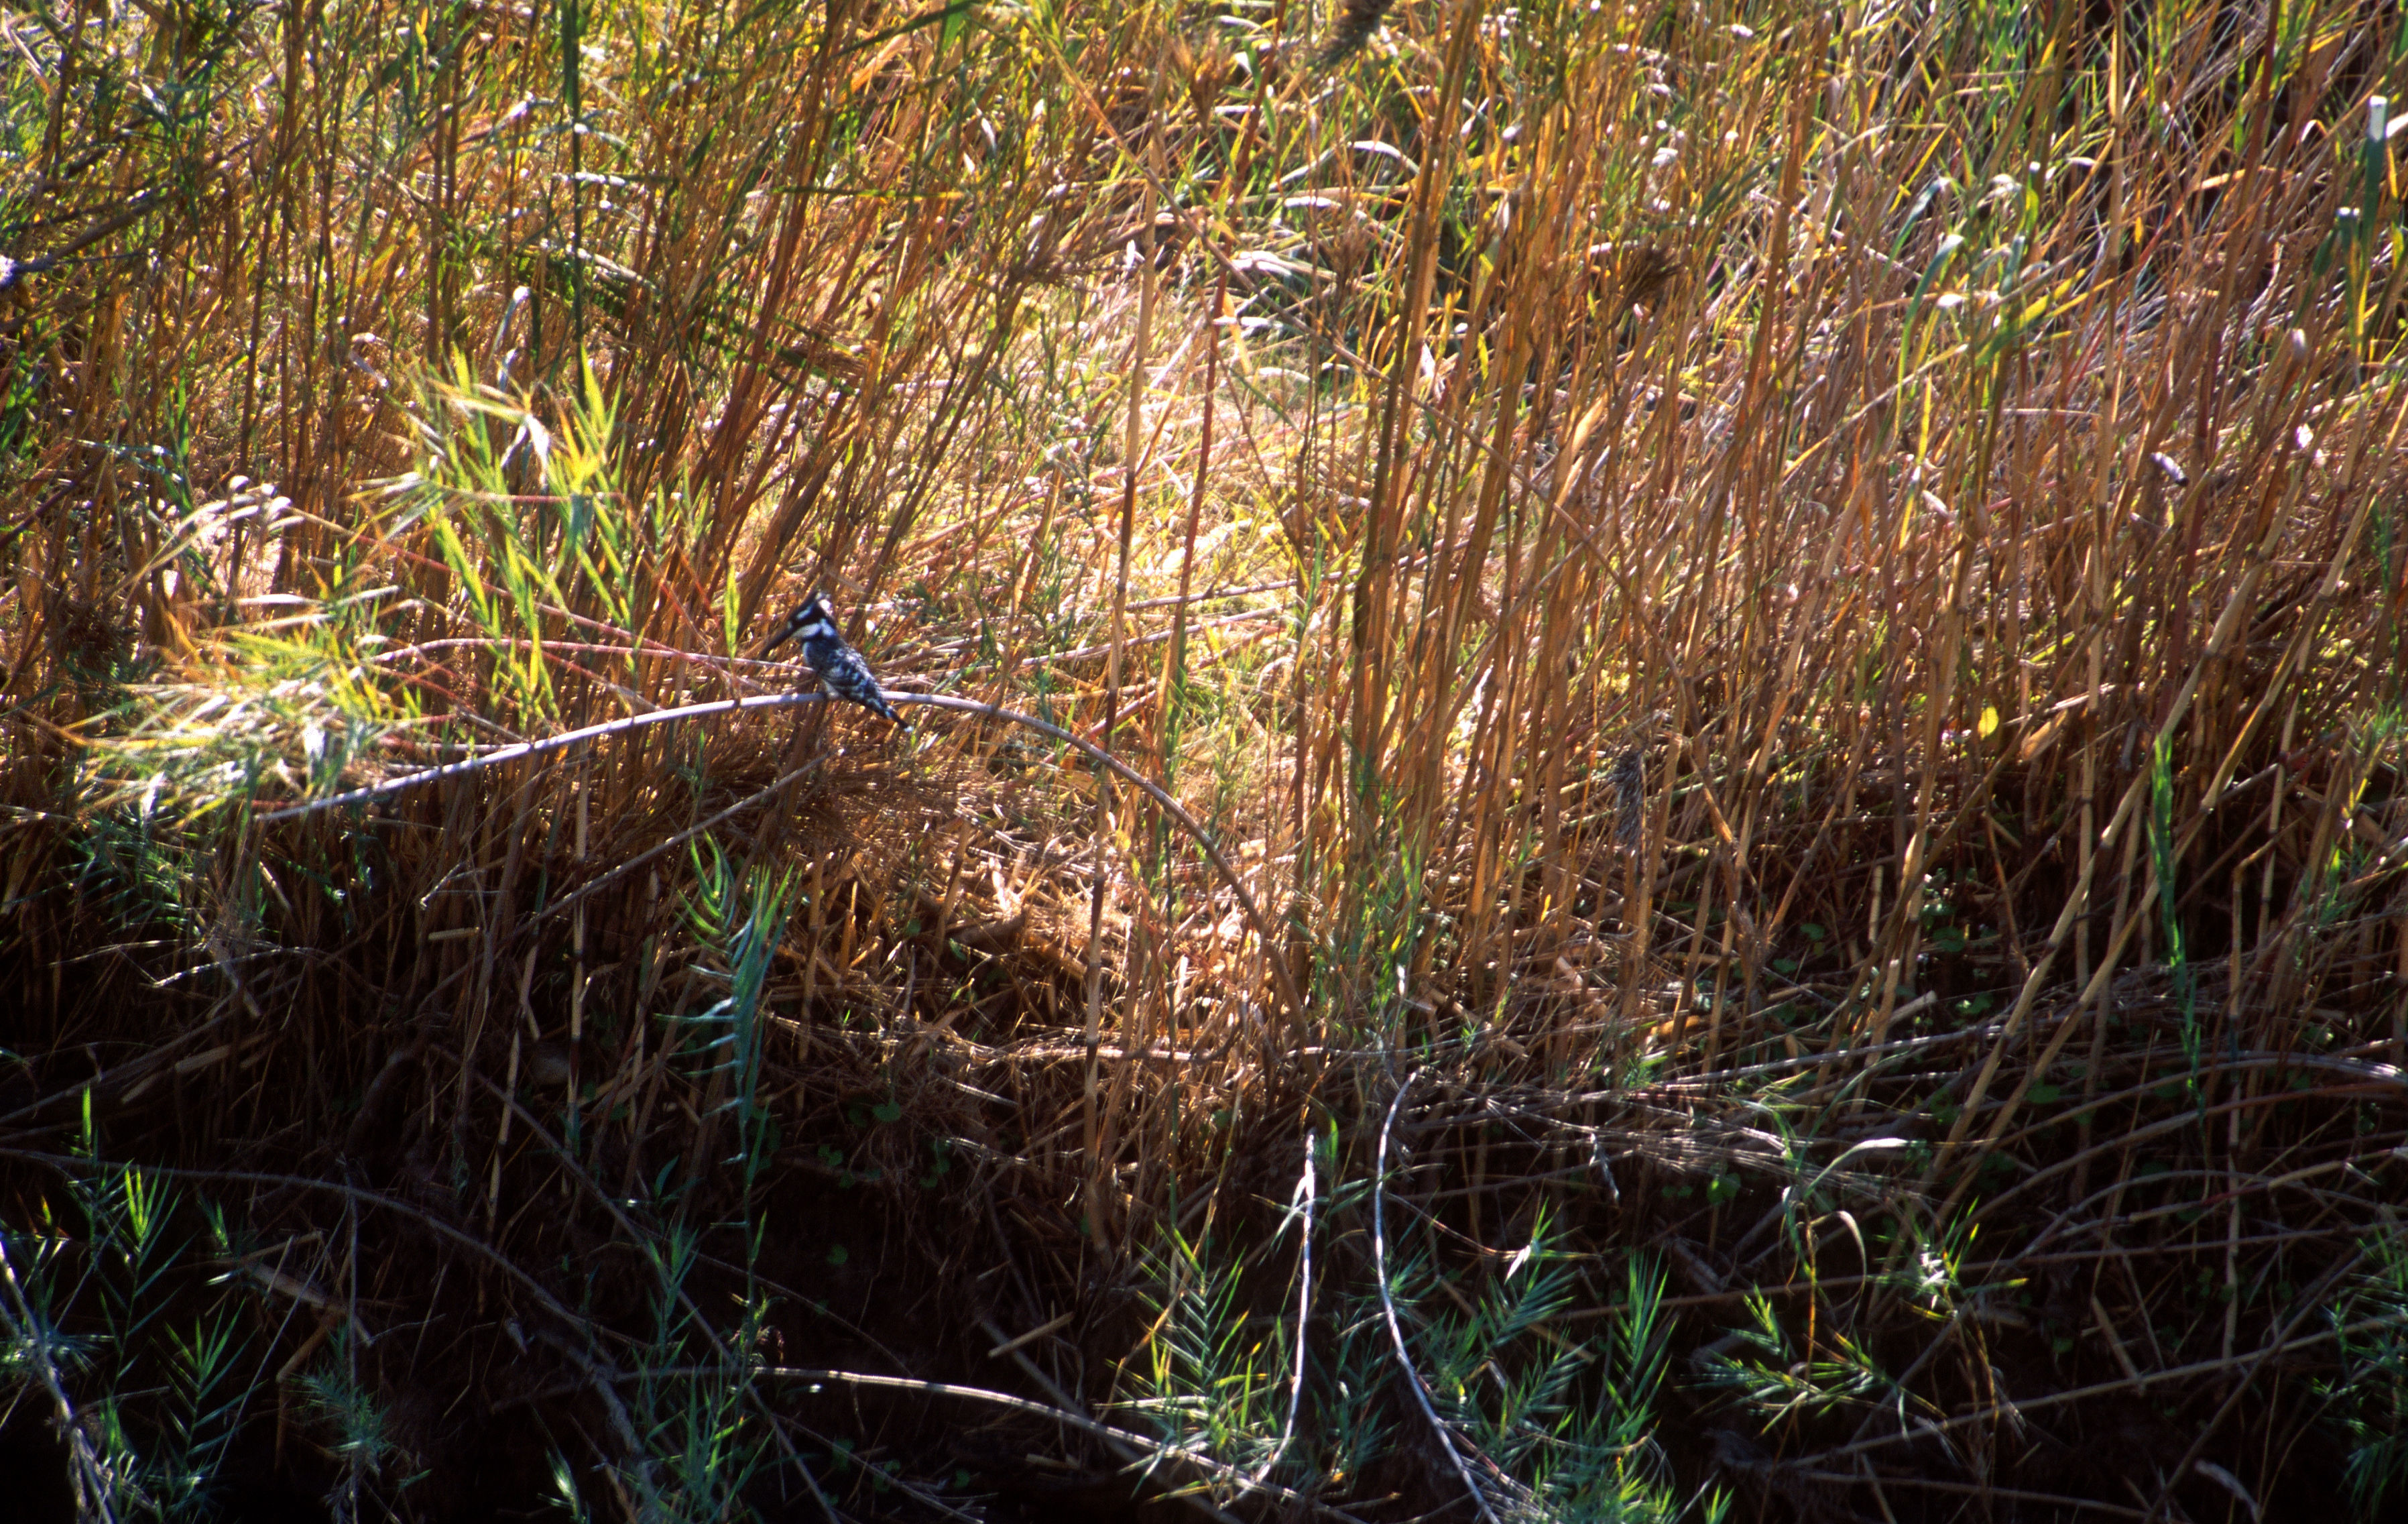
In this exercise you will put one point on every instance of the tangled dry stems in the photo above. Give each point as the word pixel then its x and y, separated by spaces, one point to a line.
pixel 1959 456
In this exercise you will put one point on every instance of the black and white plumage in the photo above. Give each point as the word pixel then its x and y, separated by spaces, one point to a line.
pixel 842 670
pixel 1630 777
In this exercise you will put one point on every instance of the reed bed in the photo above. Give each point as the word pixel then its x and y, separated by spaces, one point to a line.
pixel 1655 761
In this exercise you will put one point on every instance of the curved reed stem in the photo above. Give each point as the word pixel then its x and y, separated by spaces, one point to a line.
pixel 1170 807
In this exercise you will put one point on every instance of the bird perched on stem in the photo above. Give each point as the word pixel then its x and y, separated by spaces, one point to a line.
pixel 842 670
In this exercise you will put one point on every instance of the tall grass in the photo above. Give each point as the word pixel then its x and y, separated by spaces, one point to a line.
pixel 1951 456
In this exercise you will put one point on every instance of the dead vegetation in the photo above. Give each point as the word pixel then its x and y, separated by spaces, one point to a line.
pixel 1772 639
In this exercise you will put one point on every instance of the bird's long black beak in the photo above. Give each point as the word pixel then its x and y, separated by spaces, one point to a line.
pixel 775 641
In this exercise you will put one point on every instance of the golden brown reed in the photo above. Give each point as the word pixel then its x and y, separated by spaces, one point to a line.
pixel 1962 457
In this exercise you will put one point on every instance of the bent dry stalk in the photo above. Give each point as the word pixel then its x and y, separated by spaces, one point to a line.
pixel 1170 807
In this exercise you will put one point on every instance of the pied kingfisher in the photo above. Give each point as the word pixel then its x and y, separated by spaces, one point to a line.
pixel 842 670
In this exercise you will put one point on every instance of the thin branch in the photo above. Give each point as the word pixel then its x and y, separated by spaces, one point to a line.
pixel 1187 823
pixel 1076 1420
pixel 1306 1194
pixel 33 1339
pixel 1388 1302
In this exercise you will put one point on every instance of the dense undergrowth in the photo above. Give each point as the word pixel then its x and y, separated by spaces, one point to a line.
pixel 1766 642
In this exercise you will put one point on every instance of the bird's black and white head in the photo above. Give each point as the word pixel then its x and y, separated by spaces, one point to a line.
pixel 814 621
